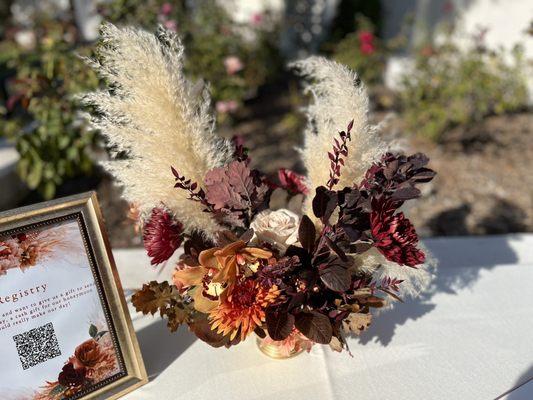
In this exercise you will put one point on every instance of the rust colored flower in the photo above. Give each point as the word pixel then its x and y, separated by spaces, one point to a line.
pixel 106 364
pixel 243 309
pixel 292 182
pixel 88 353
pixel 162 235
pixel 232 260
pixel 394 235
pixel 10 253
pixel 30 253
pixel 218 271
pixel 71 376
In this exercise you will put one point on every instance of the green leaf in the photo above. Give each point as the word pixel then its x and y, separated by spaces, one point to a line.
pixel 57 390
pixel 99 335
pixel 48 190
pixel 35 175
pixel 93 331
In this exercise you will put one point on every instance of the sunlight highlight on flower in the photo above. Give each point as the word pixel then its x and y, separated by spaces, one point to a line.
pixel 243 310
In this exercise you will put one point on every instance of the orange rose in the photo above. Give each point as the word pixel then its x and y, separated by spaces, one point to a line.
pixel 88 353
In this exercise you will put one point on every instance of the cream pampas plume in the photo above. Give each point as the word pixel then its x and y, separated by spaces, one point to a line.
pixel 338 98
pixel 158 119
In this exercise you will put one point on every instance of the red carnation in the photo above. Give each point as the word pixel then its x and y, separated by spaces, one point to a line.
pixel 162 235
pixel 292 182
pixel 394 235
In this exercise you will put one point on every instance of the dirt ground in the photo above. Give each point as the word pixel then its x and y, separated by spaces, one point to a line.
pixel 485 181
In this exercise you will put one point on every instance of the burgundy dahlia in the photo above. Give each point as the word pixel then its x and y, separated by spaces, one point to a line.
pixel 292 182
pixel 162 235
pixel 394 235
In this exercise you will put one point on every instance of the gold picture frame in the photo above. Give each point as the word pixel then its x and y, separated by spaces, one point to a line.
pixel 84 209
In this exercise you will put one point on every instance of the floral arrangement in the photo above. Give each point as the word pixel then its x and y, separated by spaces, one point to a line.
pixel 93 361
pixel 26 250
pixel 245 268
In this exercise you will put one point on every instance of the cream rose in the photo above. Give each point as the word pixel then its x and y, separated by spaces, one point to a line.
pixel 279 228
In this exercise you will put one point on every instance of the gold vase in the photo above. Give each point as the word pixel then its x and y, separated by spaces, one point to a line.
pixel 275 351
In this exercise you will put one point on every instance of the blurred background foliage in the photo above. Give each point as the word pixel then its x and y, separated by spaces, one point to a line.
pixel 41 116
pixel 448 86
pixel 235 58
pixel 444 90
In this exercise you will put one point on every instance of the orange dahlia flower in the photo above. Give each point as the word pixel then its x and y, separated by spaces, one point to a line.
pixel 217 272
pixel 243 309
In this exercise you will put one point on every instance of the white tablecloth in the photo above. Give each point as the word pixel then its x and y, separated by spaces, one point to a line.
pixel 469 338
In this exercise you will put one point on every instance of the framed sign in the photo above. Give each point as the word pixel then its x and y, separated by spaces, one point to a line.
pixel 65 331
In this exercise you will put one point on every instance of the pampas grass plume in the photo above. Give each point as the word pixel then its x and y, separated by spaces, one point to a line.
pixel 338 98
pixel 157 118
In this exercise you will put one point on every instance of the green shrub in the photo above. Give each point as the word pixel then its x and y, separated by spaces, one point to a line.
pixel 40 115
pixel 448 87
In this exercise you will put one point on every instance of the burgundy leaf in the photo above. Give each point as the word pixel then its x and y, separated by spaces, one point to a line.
pixel 361 247
pixel 202 329
pixel 336 278
pixel 350 126
pixel 292 182
pixel 314 326
pixel 324 203
pixel 307 233
pixel 333 246
pixel 236 192
pixel 279 324
pixel 260 332
pixel 405 193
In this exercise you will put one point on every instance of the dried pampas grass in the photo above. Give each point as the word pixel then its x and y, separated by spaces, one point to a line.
pixel 157 118
pixel 338 98
pixel 415 280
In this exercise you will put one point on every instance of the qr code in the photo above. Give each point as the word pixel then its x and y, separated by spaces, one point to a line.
pixel 37 346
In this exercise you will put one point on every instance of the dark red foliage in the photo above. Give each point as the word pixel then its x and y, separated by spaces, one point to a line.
pixel 162 235
pixel 340 150
pixel 236 193
pixel 196 193
pixel 292 182
pixel 275 272
pixel 394 235
pixel 71 376
pixel 241 151
pixel 397 175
